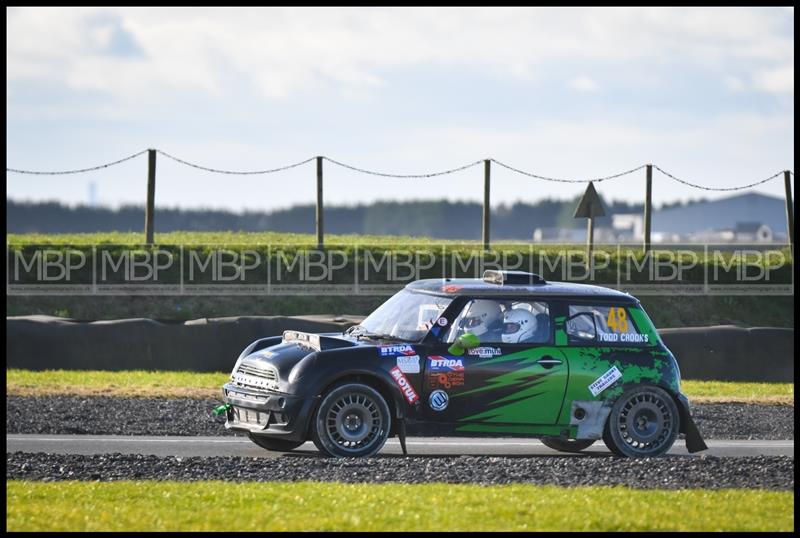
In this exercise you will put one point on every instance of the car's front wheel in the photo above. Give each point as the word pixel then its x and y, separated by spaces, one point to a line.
pixel 566 445
pixel 276 445
pixel 352 420
pixel 643 422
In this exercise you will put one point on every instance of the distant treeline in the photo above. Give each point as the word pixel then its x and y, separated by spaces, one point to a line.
pixel 441 219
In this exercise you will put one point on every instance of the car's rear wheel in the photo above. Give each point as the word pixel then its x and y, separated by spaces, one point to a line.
pixel 276 445
pixel 643 422
pixel 352 420
pixel 566 445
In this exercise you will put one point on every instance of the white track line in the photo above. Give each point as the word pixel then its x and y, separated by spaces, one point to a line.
pixel 533 442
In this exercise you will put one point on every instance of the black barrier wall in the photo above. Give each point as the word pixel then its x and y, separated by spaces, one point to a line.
pixel 724 353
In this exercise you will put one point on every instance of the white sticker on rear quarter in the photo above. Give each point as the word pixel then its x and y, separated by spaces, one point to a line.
pixel 605 381
pixel 408 364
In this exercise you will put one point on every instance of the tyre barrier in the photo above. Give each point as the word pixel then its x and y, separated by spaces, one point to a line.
pixel 731 353
pixel 724 353
pixel 202 345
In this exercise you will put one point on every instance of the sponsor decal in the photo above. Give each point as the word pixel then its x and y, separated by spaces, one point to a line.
pixel 404 384
pixel 408 364
pixel 447 380
pixel 438 400
pixel 617 319
pixel 442 322
pixel 438 363
pixel 605 381
pixel 396 349
pixel 484 352
pixel 632 338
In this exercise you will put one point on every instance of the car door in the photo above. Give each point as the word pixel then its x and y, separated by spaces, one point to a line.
pixel 606 347
pixel 499 385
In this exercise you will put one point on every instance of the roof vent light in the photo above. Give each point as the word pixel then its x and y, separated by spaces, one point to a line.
pixel 512 277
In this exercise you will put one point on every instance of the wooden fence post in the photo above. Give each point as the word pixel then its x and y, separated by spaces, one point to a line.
pixel 789 211
pixel 319 204
pixel 648 207
pixel 589 244
pixel 151 194
pixel 487 171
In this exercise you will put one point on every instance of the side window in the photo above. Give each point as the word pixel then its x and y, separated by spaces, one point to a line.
pixel 503 322
pixel 602 324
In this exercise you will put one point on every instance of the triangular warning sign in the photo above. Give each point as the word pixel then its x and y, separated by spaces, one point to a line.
pixel 590 205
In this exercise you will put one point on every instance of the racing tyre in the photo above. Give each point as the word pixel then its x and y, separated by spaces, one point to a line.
pixel 352 421
pixel 644 422
pixel 563 445
pixel 276 445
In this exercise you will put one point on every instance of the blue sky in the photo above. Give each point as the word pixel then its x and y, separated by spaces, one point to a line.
pixel 707 94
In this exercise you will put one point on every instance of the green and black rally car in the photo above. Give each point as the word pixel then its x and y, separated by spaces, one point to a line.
pixel 506 355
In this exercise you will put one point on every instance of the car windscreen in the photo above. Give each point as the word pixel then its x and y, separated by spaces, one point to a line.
pixel 406 315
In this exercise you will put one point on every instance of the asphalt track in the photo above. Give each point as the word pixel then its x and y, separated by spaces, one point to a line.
pixel 417 446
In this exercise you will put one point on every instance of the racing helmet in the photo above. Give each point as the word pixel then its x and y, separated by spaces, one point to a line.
pixel 518 325
pixel 481 316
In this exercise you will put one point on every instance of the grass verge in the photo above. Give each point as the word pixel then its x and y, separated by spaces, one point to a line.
pixel 218 506
pixel 207 385
pixel 736 392
pixel 137 383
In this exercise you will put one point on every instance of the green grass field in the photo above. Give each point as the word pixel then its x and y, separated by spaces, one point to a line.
pixel 224 506
pixel 343 240
pixel 207 385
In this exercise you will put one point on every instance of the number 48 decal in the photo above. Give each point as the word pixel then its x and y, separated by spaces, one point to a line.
pixel 617 319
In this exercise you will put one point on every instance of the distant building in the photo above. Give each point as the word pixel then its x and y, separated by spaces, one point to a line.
pixel 702 218
pixel 628 226
pixel 551 234
pixel 743 232
pixel 573 235
pixel 755 232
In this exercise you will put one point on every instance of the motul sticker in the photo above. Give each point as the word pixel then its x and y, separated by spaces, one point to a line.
pixel 404 384
pixel 605 381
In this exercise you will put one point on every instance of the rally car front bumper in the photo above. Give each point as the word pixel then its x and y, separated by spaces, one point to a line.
pixel 267 413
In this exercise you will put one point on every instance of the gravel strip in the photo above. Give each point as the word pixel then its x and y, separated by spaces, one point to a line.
pixel 744 421
pixel 101 415
pixel 185 416
pixel 754 472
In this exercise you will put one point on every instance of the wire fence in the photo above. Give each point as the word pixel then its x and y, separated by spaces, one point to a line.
pixel 399 176
pixel 648 202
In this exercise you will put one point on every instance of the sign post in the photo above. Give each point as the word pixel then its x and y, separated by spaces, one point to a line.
pixel 589 207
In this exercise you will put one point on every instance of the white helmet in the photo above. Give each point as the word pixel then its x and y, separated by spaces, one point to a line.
pixel 481 316
pixel 518 326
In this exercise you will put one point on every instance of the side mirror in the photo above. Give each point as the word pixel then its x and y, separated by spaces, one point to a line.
pixel 581 333
pixel 464 342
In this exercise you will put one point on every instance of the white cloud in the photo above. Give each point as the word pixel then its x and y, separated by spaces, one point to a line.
pixel 583 84
pixel 281 51
pixel 779 80
pixel 734 84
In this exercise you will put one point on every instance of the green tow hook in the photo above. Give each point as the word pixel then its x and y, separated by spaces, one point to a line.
pixel 221 409
pixel 464 342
